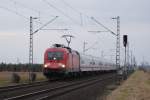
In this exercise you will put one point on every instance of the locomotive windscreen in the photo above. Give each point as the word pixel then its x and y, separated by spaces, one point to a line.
pixel 55 55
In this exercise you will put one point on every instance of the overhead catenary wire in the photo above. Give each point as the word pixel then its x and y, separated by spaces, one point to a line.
pixel 24 6
pixel 91 47
pixel 15 5
pixel 103 26
pixel 60 11
pixel 77 11
pixel 27 7
pixel 81 14
pixel 15 12
pixel 45 24
pixel 49 3
pixel 68 5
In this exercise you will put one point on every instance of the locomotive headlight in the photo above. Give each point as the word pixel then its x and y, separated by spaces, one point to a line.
pixel 63 66
pixel 45 65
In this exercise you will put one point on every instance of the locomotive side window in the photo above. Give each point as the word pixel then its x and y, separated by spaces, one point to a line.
pixel 55 55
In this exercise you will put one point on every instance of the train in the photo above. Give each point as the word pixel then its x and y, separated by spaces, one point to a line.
pixel 60 61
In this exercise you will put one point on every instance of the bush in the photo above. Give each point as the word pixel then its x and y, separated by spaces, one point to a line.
pixel 15 78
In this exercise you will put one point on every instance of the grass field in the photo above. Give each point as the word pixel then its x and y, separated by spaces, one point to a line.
pixel 136 87
pixel 5 77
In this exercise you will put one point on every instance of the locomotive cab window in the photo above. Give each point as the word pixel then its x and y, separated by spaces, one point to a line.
pixel 55 55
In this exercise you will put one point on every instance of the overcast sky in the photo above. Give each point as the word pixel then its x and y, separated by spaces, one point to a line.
pixel 75 16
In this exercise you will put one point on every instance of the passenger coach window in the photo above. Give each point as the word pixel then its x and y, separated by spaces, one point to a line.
pixel 82 61
pixel 55 55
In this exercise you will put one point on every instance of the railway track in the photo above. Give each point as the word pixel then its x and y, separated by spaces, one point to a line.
pixel 57 89
pixel 23 89
pixel 24 85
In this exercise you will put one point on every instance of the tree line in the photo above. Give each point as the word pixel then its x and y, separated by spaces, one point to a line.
pixel 20 67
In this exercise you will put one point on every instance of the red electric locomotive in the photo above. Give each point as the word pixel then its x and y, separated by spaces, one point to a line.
pixel 60 60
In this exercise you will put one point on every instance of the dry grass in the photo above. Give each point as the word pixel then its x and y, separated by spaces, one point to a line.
pixel 5 77
pixel 137 87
